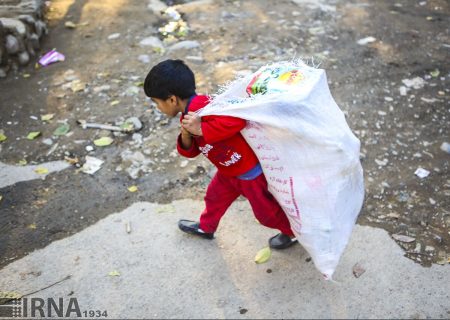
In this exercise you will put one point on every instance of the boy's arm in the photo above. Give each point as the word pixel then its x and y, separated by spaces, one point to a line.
pixel 213 128
pixel 186 145
pixel 217 128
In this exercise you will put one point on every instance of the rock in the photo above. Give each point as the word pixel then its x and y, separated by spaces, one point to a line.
pixel 132 91
pixel 156 6
pixel 137 139
pixel 358 270
pixel 89 148
pixel 403 238
pixel 137 124
pixel 153 42
pixel 47 141
pixel 195 59
pixel 102 88
pixel 12 44
pixel 445 146
pixel 41 28
pixel 144 58
pixel 415 83
pixel 33 39
pixel 24 58
pixel 15 26
pixel 184 45
pixel 184 163
pixel 2 73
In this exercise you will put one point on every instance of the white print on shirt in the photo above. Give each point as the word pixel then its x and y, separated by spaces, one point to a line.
pixel 206 149
pixel 235 157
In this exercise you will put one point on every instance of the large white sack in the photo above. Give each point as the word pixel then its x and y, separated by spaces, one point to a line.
pixel 308 153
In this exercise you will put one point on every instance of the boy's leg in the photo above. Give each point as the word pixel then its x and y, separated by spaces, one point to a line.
pixel 219 196
pixel 264 205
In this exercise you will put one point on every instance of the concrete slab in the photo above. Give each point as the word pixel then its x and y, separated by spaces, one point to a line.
pixel 165 273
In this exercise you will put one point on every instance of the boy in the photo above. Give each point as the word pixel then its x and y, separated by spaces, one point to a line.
pixel 171 86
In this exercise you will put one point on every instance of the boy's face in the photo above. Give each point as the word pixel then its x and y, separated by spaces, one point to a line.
pixel 169 106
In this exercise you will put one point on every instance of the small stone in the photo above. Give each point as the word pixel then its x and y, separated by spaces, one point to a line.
pixel 403 238
pixel 144 58
pixel 432 201
pixel 429 248
pixel 89 148
pixel 415 83
pixel 47 141
pixel 185 45
pixel 24 58
pixel 114 36
pixel 153 42
pixel 422 173
pixel 445 146
pixel 381 163
pixel 184 163
pixel 156 6
pixel 388 99
pixel 102 88
pixel 358 270
pixel 403 90
pixel 12 44
pixel 366 40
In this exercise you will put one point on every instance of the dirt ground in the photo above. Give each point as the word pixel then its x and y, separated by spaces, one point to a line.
pixel 401 123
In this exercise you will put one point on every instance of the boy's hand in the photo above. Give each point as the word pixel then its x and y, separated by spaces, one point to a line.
pixel 192 123
pixel 184 132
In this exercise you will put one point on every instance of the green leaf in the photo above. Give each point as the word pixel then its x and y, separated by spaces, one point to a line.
pixel 41 170
pixel 103 142
pixel 61 130
pixel 33 135
pixel 435 73
pixel 114 273
pixel 133 188
pixel 47 117
pixel 2 137
pixel 263 255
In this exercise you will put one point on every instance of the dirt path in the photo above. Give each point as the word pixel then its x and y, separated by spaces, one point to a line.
pixel 399 133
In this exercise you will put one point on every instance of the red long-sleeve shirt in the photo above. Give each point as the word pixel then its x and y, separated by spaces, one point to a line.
pixel 222 142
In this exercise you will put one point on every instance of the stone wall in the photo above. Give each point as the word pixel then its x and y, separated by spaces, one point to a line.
pixel 22 27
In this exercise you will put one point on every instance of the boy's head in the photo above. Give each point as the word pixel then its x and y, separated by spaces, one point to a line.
pixel 168 84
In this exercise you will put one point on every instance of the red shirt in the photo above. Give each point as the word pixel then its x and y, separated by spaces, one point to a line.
pixel 222 142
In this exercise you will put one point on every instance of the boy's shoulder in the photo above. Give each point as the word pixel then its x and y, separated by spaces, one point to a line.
pixel 198 102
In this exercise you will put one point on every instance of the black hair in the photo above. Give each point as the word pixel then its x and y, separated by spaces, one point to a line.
pixel 170 77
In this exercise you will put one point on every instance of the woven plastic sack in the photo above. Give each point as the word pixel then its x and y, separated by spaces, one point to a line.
pixel 308 153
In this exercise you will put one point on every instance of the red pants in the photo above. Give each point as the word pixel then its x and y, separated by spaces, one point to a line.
pixel 223 190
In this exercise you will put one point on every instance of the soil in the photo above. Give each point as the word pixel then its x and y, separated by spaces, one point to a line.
pixel 398 133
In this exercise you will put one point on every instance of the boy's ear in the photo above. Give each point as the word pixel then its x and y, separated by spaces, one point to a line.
pixel 172 99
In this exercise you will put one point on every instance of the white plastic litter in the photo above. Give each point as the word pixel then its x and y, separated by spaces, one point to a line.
pixel 308 153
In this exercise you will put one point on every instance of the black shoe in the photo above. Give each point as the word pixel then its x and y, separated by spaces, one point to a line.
pixel 193 227
pixel 281 241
